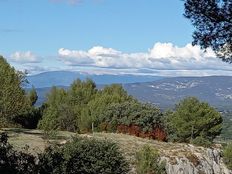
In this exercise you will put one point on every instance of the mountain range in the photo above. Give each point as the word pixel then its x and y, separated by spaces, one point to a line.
pixel 165 93
pixel 160 91
pixel 65 78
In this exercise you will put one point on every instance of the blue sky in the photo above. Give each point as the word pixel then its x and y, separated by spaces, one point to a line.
pixel 103 36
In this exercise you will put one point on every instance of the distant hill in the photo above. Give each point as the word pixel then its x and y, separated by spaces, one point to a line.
pixel 216 90
pixel 165 93
pixel 65 78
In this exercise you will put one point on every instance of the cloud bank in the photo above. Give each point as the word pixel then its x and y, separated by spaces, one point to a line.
pixel 162 56
pixel 163 59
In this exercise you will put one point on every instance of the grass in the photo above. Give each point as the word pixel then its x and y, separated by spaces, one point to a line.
pixel 35 139
pixel 129 145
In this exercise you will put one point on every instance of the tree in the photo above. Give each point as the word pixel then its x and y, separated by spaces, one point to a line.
pixel 212 20
pixel 193 119
pixel 227 156
pixel 64 107
pixel 32 96
pixel 50 119
pixel 13 100
pixel 97 106
pixel 146 116
pixel 148 161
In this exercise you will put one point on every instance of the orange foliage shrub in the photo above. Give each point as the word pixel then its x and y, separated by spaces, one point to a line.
pixel 157 133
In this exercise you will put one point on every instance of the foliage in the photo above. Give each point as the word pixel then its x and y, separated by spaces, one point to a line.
pixel 13 99
pixel 213 22
pixel 80 106
pixel 96 108
pixel 227 156
pixel 201 141
pixel 193 118
pixel 148 161
pixel 79 156
pixel 12 161
pixel 92 156
pixel 32 96
pixel 51 161
pixel 227 125
pixel 53 111
pixel 132 112
pixel 65 107
pixel 83 108
pixel 30 118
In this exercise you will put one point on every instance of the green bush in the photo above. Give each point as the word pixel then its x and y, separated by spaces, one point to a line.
pixel 193 118
pixel 51 161
pixel 227 156
pixel 128 113
pixel 12 161
pixel 81 156
pixel 92 156
pixel 201 141
pixel 148 161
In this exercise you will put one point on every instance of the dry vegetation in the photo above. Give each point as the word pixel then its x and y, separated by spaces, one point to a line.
pixel 37 141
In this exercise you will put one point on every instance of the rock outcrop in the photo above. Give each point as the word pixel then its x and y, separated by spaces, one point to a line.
pixel 181 158
pixel 195 160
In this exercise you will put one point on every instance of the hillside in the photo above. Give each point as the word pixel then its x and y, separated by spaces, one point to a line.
pixel 65 78
pixel 181 158
pixel 165 93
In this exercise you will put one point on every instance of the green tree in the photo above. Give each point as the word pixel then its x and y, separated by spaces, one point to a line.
pixel 97 106
pixel 148 161
pixel 64 108
pixel 13 100
pixel 192 119
pixel 51 115
pixel 213 22
pixel 132 112
pixel 80 94
pixel 227 156
pixel 32 96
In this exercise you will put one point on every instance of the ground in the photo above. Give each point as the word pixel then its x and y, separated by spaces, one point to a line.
pixel 37 141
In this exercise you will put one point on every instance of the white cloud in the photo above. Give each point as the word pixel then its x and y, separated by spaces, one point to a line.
pixel 24 57
pixel 162 56
pixel 163 59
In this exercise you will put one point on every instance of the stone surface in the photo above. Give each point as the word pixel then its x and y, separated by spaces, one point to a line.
pixel 196 161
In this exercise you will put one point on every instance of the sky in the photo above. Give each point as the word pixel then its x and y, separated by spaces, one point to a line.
pixel 140 37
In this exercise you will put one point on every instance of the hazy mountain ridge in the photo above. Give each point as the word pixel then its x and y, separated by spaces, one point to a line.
pixel 65 78
pixel 166 92
pixel 217 90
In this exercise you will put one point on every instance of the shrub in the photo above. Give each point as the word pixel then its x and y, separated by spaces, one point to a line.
pixel 12 161
pixel 148 161
pixel 51 161
pixel 92 156
pixel 201 141
pixel 81 156
pixel 227 156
